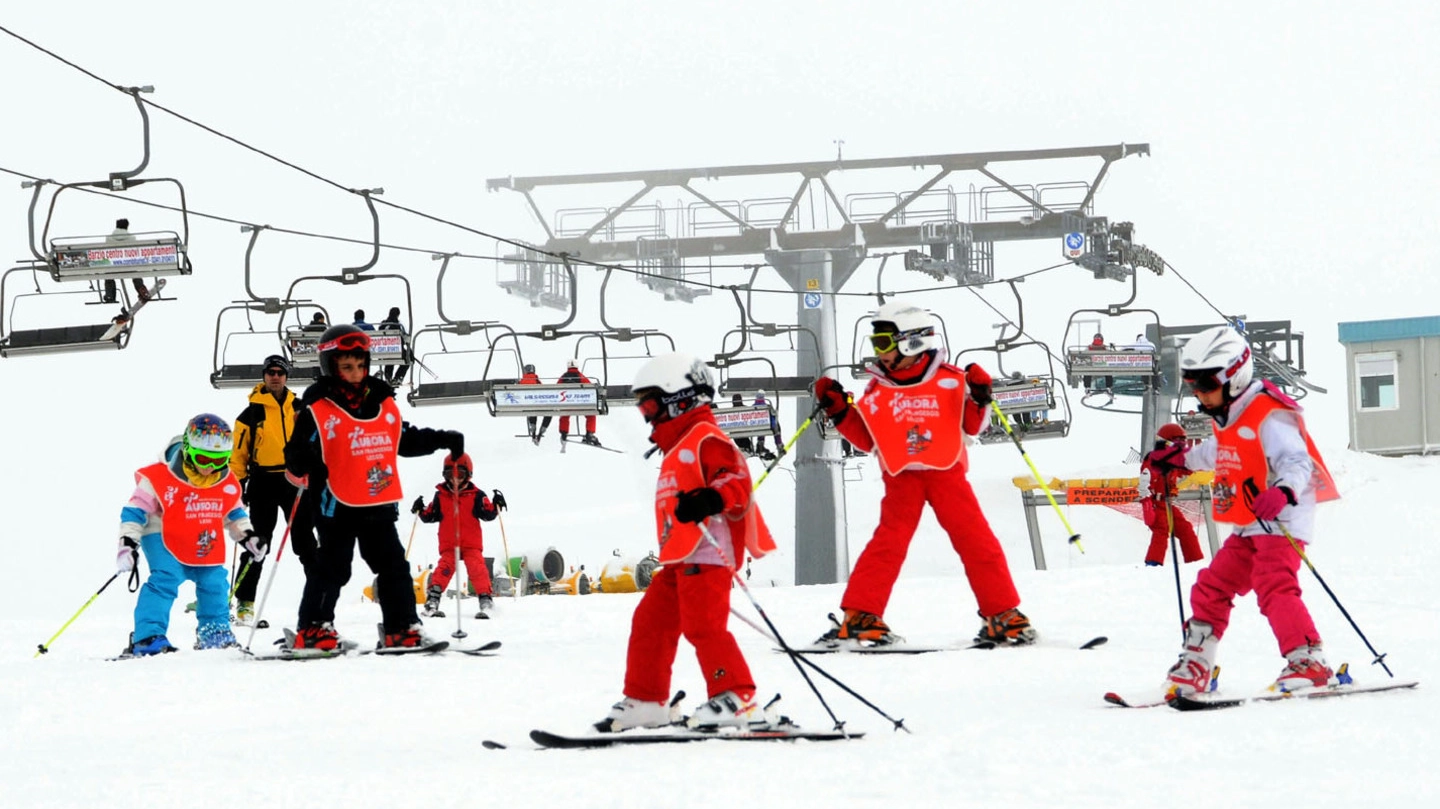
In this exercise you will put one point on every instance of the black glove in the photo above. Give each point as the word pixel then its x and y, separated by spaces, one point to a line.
pixel 453 441
pixel 418 506
pixel 979 383
pixel 245 492
pixel 499 500
pixel 697 504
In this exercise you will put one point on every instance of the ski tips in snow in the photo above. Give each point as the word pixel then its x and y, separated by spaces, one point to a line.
pixel 492 745
pixel 547 739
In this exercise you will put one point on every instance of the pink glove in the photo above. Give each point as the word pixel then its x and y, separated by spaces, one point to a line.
pixel 302 482
pixel 1269 503
pixel 1167 459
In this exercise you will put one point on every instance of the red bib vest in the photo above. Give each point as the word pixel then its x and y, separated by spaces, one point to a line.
pixel 360 454
pixel 1239 457
pixel 917 426
pixel 192 519
pixel 679 472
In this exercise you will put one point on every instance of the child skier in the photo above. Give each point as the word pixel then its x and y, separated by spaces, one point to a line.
pixel 1268 478
pixel 703 477
pixel 459 507
pixel 344 447
pixel 917 414
pixel 176 514
pixel 1157 486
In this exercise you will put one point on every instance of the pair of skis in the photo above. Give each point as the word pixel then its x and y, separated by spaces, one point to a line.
pixel 1212 700
pixel 851 647
pixel 350 647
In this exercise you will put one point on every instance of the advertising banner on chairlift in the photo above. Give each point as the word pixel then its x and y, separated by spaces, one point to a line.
pixel 1020 397
pixel 540 397
pixel 128 258
pixel 753 418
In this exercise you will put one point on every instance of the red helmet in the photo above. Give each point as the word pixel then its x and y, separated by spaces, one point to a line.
pixel 1170 433
pixel 463 463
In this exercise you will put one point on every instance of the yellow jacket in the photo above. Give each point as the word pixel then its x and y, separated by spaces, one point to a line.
pixel 261 432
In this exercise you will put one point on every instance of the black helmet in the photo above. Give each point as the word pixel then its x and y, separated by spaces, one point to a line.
pixel 342 338
pixel 529 369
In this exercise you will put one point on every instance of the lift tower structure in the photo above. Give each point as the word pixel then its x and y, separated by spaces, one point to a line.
pixel 950 232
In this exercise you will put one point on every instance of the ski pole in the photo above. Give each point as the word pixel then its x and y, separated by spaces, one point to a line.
pixel 234 586
pixel 1004 422
pixel 45 647
pixel 788 444
pixel 709 537
pixel 415 523
pixel 1251 489
pixel 1174 554
pixel 1379 657
pixel 505 543
pixel 459 633
pixel 898 723
pixel 275 565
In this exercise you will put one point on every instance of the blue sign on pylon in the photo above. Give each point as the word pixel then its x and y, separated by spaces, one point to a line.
pixel 812 300
pixel 1074 245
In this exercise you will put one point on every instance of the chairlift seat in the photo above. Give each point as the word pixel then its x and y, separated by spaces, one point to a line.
pixel 469 390
pixel 745 420
pixel 1034 431
pixel 57 340
pixel 772 385
pixel 248 376
pixel 143 255
pixel 561 399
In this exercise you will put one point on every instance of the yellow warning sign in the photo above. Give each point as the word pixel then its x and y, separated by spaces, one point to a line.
pixel 812 284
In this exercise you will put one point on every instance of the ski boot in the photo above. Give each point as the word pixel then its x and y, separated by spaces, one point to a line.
pixel 864 628
pixel 1305 668
pixel 1009 628
pixel 153 645
pixel 411 638
pixel 432 602
pixel 633 713
pixel 484 604
pixel 591 440
pixel 215 636
pixel 244 613
pixel 728 709
pixel 1191 673
pixel 318 636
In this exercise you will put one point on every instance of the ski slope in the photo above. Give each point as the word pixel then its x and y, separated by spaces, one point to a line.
pixel 1008 727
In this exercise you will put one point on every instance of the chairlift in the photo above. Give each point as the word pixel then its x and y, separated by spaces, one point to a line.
pixel 1108 372
pixel 144 254
pixel 773 383
pixel 239 353
pixel 453 330
pixel 50 339
pixel 1036 405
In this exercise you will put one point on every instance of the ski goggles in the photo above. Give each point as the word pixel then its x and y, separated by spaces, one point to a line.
pixel 276 372
pixel 649 404
pixel 883 343
pixel 1206 381
pixel 354 341
pixel 209 460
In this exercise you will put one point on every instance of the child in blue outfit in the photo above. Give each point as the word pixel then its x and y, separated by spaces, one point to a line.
pixel 176 515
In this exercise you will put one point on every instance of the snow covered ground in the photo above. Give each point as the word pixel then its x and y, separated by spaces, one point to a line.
pixel 1013 728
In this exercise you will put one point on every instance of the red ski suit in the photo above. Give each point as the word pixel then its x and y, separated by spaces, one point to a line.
pixel 570 377
pixel 690 594
pixel 459 515
pixel 915 428
pixel 1153 483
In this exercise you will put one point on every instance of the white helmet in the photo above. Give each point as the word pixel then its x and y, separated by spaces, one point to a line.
pixel 676 383
pixel 1223 352
pixel 913 329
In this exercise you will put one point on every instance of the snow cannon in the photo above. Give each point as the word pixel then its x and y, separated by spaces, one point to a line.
pixel 538 569
pixel 577 583
pixel 626 574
